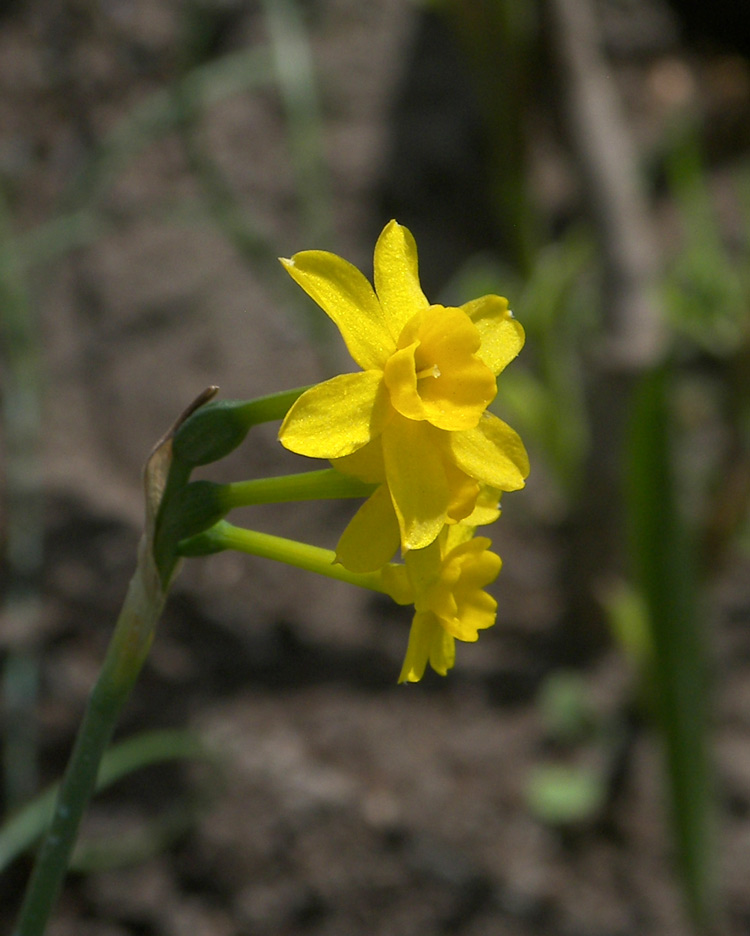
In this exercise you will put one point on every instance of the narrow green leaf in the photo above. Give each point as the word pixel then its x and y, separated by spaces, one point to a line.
pixel 24 828
pixel 663 555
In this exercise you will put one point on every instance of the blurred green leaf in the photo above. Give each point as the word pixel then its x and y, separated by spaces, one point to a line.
pixel 542 394
pixel 159 114
pixel 294 71
pixel 567 712
pixel 628 619
pixel 21 830
pixel 706 286
pixel 124 847
pixel 562 795
pixel 22 539
pixel 663 557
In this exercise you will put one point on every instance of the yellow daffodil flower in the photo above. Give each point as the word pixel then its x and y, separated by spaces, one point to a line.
pixel 445 581
pixel 373 535
pixel 414 420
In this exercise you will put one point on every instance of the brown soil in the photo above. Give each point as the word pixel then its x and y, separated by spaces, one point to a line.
pixel 345 804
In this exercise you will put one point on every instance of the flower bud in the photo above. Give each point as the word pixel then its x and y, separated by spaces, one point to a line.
pixel 191 510
pixel 212 431
pixel 210 541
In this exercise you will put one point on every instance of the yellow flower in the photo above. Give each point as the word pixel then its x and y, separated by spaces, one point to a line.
pixel 373 535
pixel 445 581
pixel 414 420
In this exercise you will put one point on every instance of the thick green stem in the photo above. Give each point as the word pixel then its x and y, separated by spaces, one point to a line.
pixel 310 485
pixel 127 651
pixel 271 407
pixel 75 793
pixel 224 535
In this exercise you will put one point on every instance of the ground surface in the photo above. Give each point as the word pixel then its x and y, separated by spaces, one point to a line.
pixel 345 804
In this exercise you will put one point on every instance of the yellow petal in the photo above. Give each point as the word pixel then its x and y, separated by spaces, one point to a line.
pixel 458 600
pixel 502 335
pixel 436 375
pixel 366 463
pixel 492 454
pixel 478 566
pixel 416 478
pixel 397 277
pixel 427 641
pixel 418 648
pixel 424 567
pixel 464 493
pixel 455 534
pixel 372 536
pixel 400 376
pixel 477 613
pixel 395 582
pixel 348 299
pixel 457 400
pixel 442 652
pixel 337 417
pixel 486 508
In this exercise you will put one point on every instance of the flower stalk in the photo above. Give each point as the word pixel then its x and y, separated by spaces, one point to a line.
pixel 127 652
pixel 223 536
pixel 309 485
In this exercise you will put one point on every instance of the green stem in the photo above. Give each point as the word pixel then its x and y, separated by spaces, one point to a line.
pixel 127 651
pixel 273 406
pixel 177 480
pixel 224 535
pixel 309 485
pixel 207 433
pixel 196 507
pixel 216 428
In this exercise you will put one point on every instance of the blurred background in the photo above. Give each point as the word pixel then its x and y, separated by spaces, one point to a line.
pixel 585 770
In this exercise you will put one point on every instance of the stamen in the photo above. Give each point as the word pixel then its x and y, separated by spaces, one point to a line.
pixel 432 371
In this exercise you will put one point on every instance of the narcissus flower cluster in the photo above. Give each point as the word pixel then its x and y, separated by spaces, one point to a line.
pixel 410 432
pixel 414 423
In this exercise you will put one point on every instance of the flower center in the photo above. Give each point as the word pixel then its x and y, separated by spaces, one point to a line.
pixel 431 370
pixel 435 373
